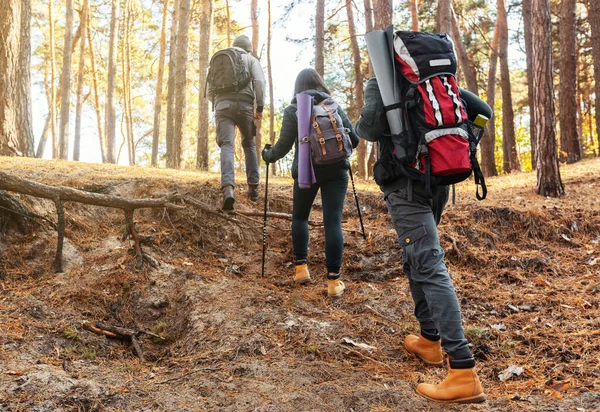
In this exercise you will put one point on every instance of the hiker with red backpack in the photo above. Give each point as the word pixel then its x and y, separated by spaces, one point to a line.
pixel 435 147
pixel 329 140
pixel 235 80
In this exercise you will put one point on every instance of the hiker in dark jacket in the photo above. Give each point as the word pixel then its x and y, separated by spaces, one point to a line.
pixel 436 305
pixel 332 179
pixel 237 110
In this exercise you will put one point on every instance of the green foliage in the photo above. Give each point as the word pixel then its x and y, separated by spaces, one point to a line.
pixel 71 333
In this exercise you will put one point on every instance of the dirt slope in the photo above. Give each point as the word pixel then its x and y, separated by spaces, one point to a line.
pixel 526 269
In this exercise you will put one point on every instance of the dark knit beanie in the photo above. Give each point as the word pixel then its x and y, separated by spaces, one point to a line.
pixel 243 42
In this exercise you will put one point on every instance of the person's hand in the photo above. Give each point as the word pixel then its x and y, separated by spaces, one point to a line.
pixel 266 153
pixel 258 115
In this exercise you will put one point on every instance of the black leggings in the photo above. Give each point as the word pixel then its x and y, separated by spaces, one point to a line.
pixel 333 192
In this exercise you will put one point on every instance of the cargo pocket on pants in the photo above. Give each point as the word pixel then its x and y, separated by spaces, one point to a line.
pixel 407 241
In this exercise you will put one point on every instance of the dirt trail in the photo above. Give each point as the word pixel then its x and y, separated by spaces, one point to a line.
pixel 527 271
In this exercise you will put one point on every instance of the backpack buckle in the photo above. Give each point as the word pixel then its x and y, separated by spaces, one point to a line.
pixel 322 141
pixel 304 139
pixel 338 137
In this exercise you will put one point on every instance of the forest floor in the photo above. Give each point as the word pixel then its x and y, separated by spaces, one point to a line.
pixel 526 271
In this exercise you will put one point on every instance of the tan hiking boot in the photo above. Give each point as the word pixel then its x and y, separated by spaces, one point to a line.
pixel 460 386
pixel 335 288
pixel 428 351
pixel 302 274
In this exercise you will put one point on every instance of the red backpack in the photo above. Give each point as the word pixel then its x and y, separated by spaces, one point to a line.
pixel 438 138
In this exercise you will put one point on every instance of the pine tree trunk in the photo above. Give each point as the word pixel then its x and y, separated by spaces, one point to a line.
pixel 270 80
pixel 111 89
pixel 509 145
pixel 528 35
pixel 444 16
pixel 594 18
pixel 52 83
pixel 159 83
pixel 206 19
pixel 414 15
pixel 358 101
pixel 65 85
pixel 255 30
pixel 228 24
pixel 466 65
pixel 170 125
pixel 320 38
pixel 180 81
pixel 16 134
pixel 97 106
pixel 569 136
pixel 83 16
pixel 488 143
pixel 368 28
pixel 126 77
pixel 383 10
pixel 548 175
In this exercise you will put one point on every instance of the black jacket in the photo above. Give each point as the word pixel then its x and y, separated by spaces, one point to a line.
pixel 288 135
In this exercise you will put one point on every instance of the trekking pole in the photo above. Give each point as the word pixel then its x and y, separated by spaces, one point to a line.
pixel 357 206
pixel 265 222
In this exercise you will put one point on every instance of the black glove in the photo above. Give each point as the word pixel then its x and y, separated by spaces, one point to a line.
pixel 266 153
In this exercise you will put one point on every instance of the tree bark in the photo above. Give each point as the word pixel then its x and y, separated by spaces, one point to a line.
pixel 320 38
pixel 228 24
pixel 159 83
pixel 16 134
pixel 83 16
pixel 180 82
pixel 169 133
pixel 414 15
pixel 126 78
pixel 466 65
pixel 255 30
pixel 488 143
pixel 594 18
pixel 528 35
pixel 111 90
pixel 548 174
pixel 358 102
pixel 569 134
pixel 383 10
pixel 444 16
pixel 509 145
pixel 52 83
pixel 270 80
pixel 206 19
pixel 368 28
pixel 65 85
pixel 97 105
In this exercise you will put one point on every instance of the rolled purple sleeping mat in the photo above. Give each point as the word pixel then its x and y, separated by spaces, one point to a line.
pixel 306 173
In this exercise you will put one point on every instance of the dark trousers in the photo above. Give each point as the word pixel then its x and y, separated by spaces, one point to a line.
pixel 436 304
pixel 333 184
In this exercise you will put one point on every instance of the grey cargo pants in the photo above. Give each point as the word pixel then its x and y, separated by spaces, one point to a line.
pixel 227 116
pixel 436 304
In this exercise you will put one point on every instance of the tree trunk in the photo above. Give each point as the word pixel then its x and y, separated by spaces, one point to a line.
pixel 159 82
pixel 65 85
pixel 52 84
pixel 97 106
pixel 594 18
pixel 528 35
pixel 488 143
pixel 111 90
pixel 83 16
pixel 16 134
pixel 170 126
pixel 368 28
pixel 444 16
pixel 320 38
pixel 358 101
pixel 255 30
pixel 228 24
pixel 509 145
pixel 569 136
pixel 206 19
pixel 414 15
pixel 180 81
pixel 270 79
pixel 466 65
pixel 126 78
pixel 383 10
pixel 548 175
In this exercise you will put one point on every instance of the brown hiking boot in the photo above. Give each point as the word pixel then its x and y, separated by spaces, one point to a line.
pixel 335 288
pixel 302 274
pixel 428 351
pixel 460 386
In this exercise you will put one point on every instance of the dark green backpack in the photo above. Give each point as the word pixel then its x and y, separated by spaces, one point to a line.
pixel 227 73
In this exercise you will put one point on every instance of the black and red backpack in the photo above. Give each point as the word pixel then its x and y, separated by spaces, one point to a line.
pixel 438 140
